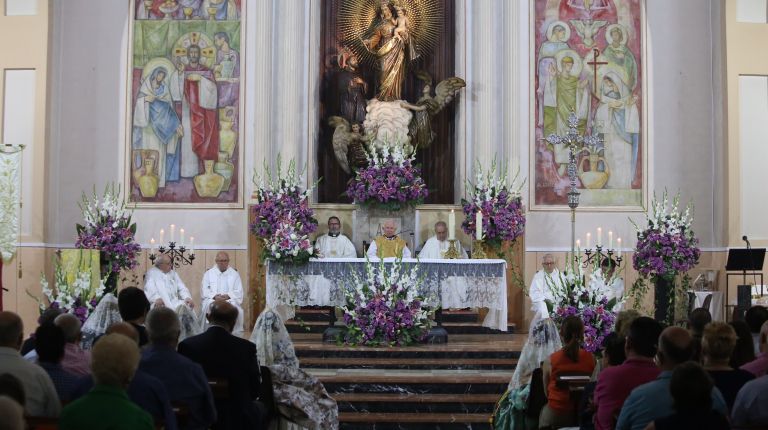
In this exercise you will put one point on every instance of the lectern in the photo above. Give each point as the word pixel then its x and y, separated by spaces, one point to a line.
pixel 744 262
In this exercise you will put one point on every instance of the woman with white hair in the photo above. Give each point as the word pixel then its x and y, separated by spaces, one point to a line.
pixel 106 406
pixel 299 396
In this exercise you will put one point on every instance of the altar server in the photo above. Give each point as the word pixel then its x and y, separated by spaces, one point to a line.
pixel 437 245
pixel 389 244
pixel 335 244
pixel 164 287
pixel 222 283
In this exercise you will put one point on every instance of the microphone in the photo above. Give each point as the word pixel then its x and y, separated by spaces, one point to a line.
pixel 744 238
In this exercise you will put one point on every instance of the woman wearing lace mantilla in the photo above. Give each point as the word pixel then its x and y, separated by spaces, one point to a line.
pixel 299 395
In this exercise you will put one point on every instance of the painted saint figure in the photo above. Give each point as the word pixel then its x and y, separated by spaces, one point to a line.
pixel 158 124
pixel 617 119
pixel 195 86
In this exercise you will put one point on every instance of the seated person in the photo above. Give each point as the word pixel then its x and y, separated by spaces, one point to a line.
pixel 164 287
pixel 40 398
pixel 12 413
pixel 613 355
pixel 335 244
pixel 749 409
pixel 222 282
pixel 49 346
pixel 293 388
pixel 144 390
pixel 133 306
pixel 230 358
pixel 691 391
pixel 559 410
pixel 389 245
pixel 437 245
pixel 755 317
pixel 717 345
pixel 541 291
pixel 744 351
pixel 106 313
pixel 48 315
pixel 759 365
pixel 698 319
pixel 184 380
pixel 106 406
pixel 76 360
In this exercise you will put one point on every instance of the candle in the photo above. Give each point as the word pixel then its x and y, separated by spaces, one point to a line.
pixel 619 249
pixel 599 236
pixel 479 225
pixel 192 245
pixel 162 237
pixel 152 246
pixel 589 239
pixel 578 243
pixel 452 225
pixel 181 237
pixel 610 239
pixel 173 231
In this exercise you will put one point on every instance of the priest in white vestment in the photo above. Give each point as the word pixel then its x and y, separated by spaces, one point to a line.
pixel 541 288
pixel 164 287
pixel 335 244
pixel 223 283
pixel 437 245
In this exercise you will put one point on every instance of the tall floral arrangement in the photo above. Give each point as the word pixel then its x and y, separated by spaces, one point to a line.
pixel 79 297
pixel 586 300
pixel 499 200
pixel 390 181
pixel 384 308
pixel 282 215
pixel 666 247
pixel 107 227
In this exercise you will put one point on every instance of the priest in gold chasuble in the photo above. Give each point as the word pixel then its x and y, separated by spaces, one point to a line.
pixel 389 244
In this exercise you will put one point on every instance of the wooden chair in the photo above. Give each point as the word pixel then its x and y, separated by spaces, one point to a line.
pixel 575 383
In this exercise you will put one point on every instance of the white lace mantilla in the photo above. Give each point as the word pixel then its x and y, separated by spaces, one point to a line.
pixel 10 199
pixel 454 284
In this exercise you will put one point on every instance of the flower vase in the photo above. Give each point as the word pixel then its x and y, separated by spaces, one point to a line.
pixel 594 179
pixel 226 169
pixel 209 184
pixel 148 182
pixel 664 297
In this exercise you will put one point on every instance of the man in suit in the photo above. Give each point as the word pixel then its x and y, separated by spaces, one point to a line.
pixel 226 357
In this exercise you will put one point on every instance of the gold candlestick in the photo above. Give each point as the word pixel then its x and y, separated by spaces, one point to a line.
pixel 452 253
pixel 478 253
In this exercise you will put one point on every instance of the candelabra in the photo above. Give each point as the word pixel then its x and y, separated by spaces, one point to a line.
pixel 179 256
pixel 452 253
pixel 599 254
pixel 575 143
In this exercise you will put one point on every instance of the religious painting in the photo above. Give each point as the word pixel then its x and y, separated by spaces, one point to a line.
pixel 184 119
pixel 588 60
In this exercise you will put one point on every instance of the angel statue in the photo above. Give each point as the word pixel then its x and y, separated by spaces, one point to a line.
pixel 420 127
pixel 348 144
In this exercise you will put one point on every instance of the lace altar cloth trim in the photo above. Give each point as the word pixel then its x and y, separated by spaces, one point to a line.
pixel 455 284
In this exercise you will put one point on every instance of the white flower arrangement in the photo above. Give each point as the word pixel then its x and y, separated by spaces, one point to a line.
pixel 282 183
pixel 78 298
pixel 110 204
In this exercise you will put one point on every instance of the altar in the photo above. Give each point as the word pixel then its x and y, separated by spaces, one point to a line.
pixel 451 284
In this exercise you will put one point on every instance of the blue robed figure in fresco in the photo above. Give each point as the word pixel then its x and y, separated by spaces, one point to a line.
pixel 157 125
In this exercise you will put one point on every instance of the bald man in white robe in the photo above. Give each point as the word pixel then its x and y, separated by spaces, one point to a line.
pixel 223 283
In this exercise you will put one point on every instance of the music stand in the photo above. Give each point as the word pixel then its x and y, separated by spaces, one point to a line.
pixel 744 260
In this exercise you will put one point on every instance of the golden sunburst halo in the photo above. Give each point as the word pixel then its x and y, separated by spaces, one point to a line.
pixel 357 20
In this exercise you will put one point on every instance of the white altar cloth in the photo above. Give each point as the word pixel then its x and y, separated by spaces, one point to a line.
pixel 455 284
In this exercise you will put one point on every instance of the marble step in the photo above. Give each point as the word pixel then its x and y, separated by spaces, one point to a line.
pixel 323 314
pixel 416 382
pixel 459 349
pixel 436 421
pixel 407 363
pixel 416 403
pixel 319 326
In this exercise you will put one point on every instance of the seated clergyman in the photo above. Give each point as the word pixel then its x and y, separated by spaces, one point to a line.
pixel 164 287
pixel 389 244
pixel 437 245
pixel 222 283
pixel 335 244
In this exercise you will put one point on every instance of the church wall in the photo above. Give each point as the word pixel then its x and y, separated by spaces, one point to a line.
pixel 86 137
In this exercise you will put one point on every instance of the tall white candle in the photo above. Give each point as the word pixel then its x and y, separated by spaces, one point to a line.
pixel 452 225
pixel 589 239
pixel 192 245
pixel 152 245
pixel 181 237
pixel 599 236
pixel 610 239
pixel 162 237
pixel 173 231
pixel 479 225
pixel 618 255
pixel 578 243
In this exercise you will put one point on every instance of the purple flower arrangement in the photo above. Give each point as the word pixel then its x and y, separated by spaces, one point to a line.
pixel 500 204
pixel 384 308
pixel 598 321
pixel 108 228
pixel 282 216
pixel 390 181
